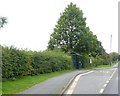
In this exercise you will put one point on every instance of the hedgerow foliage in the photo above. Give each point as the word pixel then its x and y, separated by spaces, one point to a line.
pixel 18 63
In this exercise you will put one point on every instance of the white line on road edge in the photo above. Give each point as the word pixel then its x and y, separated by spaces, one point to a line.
pixel 101 91
pixel 72 87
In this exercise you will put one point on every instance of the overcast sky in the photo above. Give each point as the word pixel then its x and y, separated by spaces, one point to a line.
pixel 30 22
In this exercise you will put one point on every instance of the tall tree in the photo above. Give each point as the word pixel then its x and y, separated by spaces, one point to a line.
pixel 72 34
pixel 68 30
pixel 3 20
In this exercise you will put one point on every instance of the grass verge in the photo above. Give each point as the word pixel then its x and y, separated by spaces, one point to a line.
pixel 0 88
pixel 19 85
pixel 106 66
pixel 101 66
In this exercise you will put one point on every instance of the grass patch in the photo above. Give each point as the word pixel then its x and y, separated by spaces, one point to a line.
pixel 101 66
pixel 19 85
pixel 105 66
pixel 0 88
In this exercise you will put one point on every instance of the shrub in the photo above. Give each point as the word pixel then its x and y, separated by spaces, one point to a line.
pixel 85 60
pixel 18 63
pixel 98 61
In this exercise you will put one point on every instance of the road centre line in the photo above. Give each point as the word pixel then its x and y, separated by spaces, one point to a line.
pixel 112 74
pixel 105 85
pixel 107 81
pixel 72 86
pixel 102 90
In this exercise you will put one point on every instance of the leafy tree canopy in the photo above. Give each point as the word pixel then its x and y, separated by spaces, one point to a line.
pixel 72 34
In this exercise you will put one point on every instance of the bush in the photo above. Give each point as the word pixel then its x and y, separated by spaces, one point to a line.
pixel 6 66
pixel 98 61
pixel 16 63
pixel 85 60
pixel 19 63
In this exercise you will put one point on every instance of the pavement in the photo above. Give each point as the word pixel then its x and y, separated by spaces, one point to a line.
pixel 53 85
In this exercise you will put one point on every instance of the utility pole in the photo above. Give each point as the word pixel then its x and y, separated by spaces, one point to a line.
pixel 110 47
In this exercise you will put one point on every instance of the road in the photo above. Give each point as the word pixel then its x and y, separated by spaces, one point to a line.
pixel 98 81
pixel 53 85
pixel 112 87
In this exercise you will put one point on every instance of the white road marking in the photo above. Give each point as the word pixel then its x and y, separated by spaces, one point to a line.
pixel 105 85
pixel 107 81
pixel 101 91
pixel 112 74
pixel 102 71
pixel 107 72
pixel 72 87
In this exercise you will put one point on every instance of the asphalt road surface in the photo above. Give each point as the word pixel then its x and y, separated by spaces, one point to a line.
pixel 99 81
pixel 112 87
pixel 53 85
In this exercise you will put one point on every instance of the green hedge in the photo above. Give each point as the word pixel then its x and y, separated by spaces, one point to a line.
pixel 18 63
